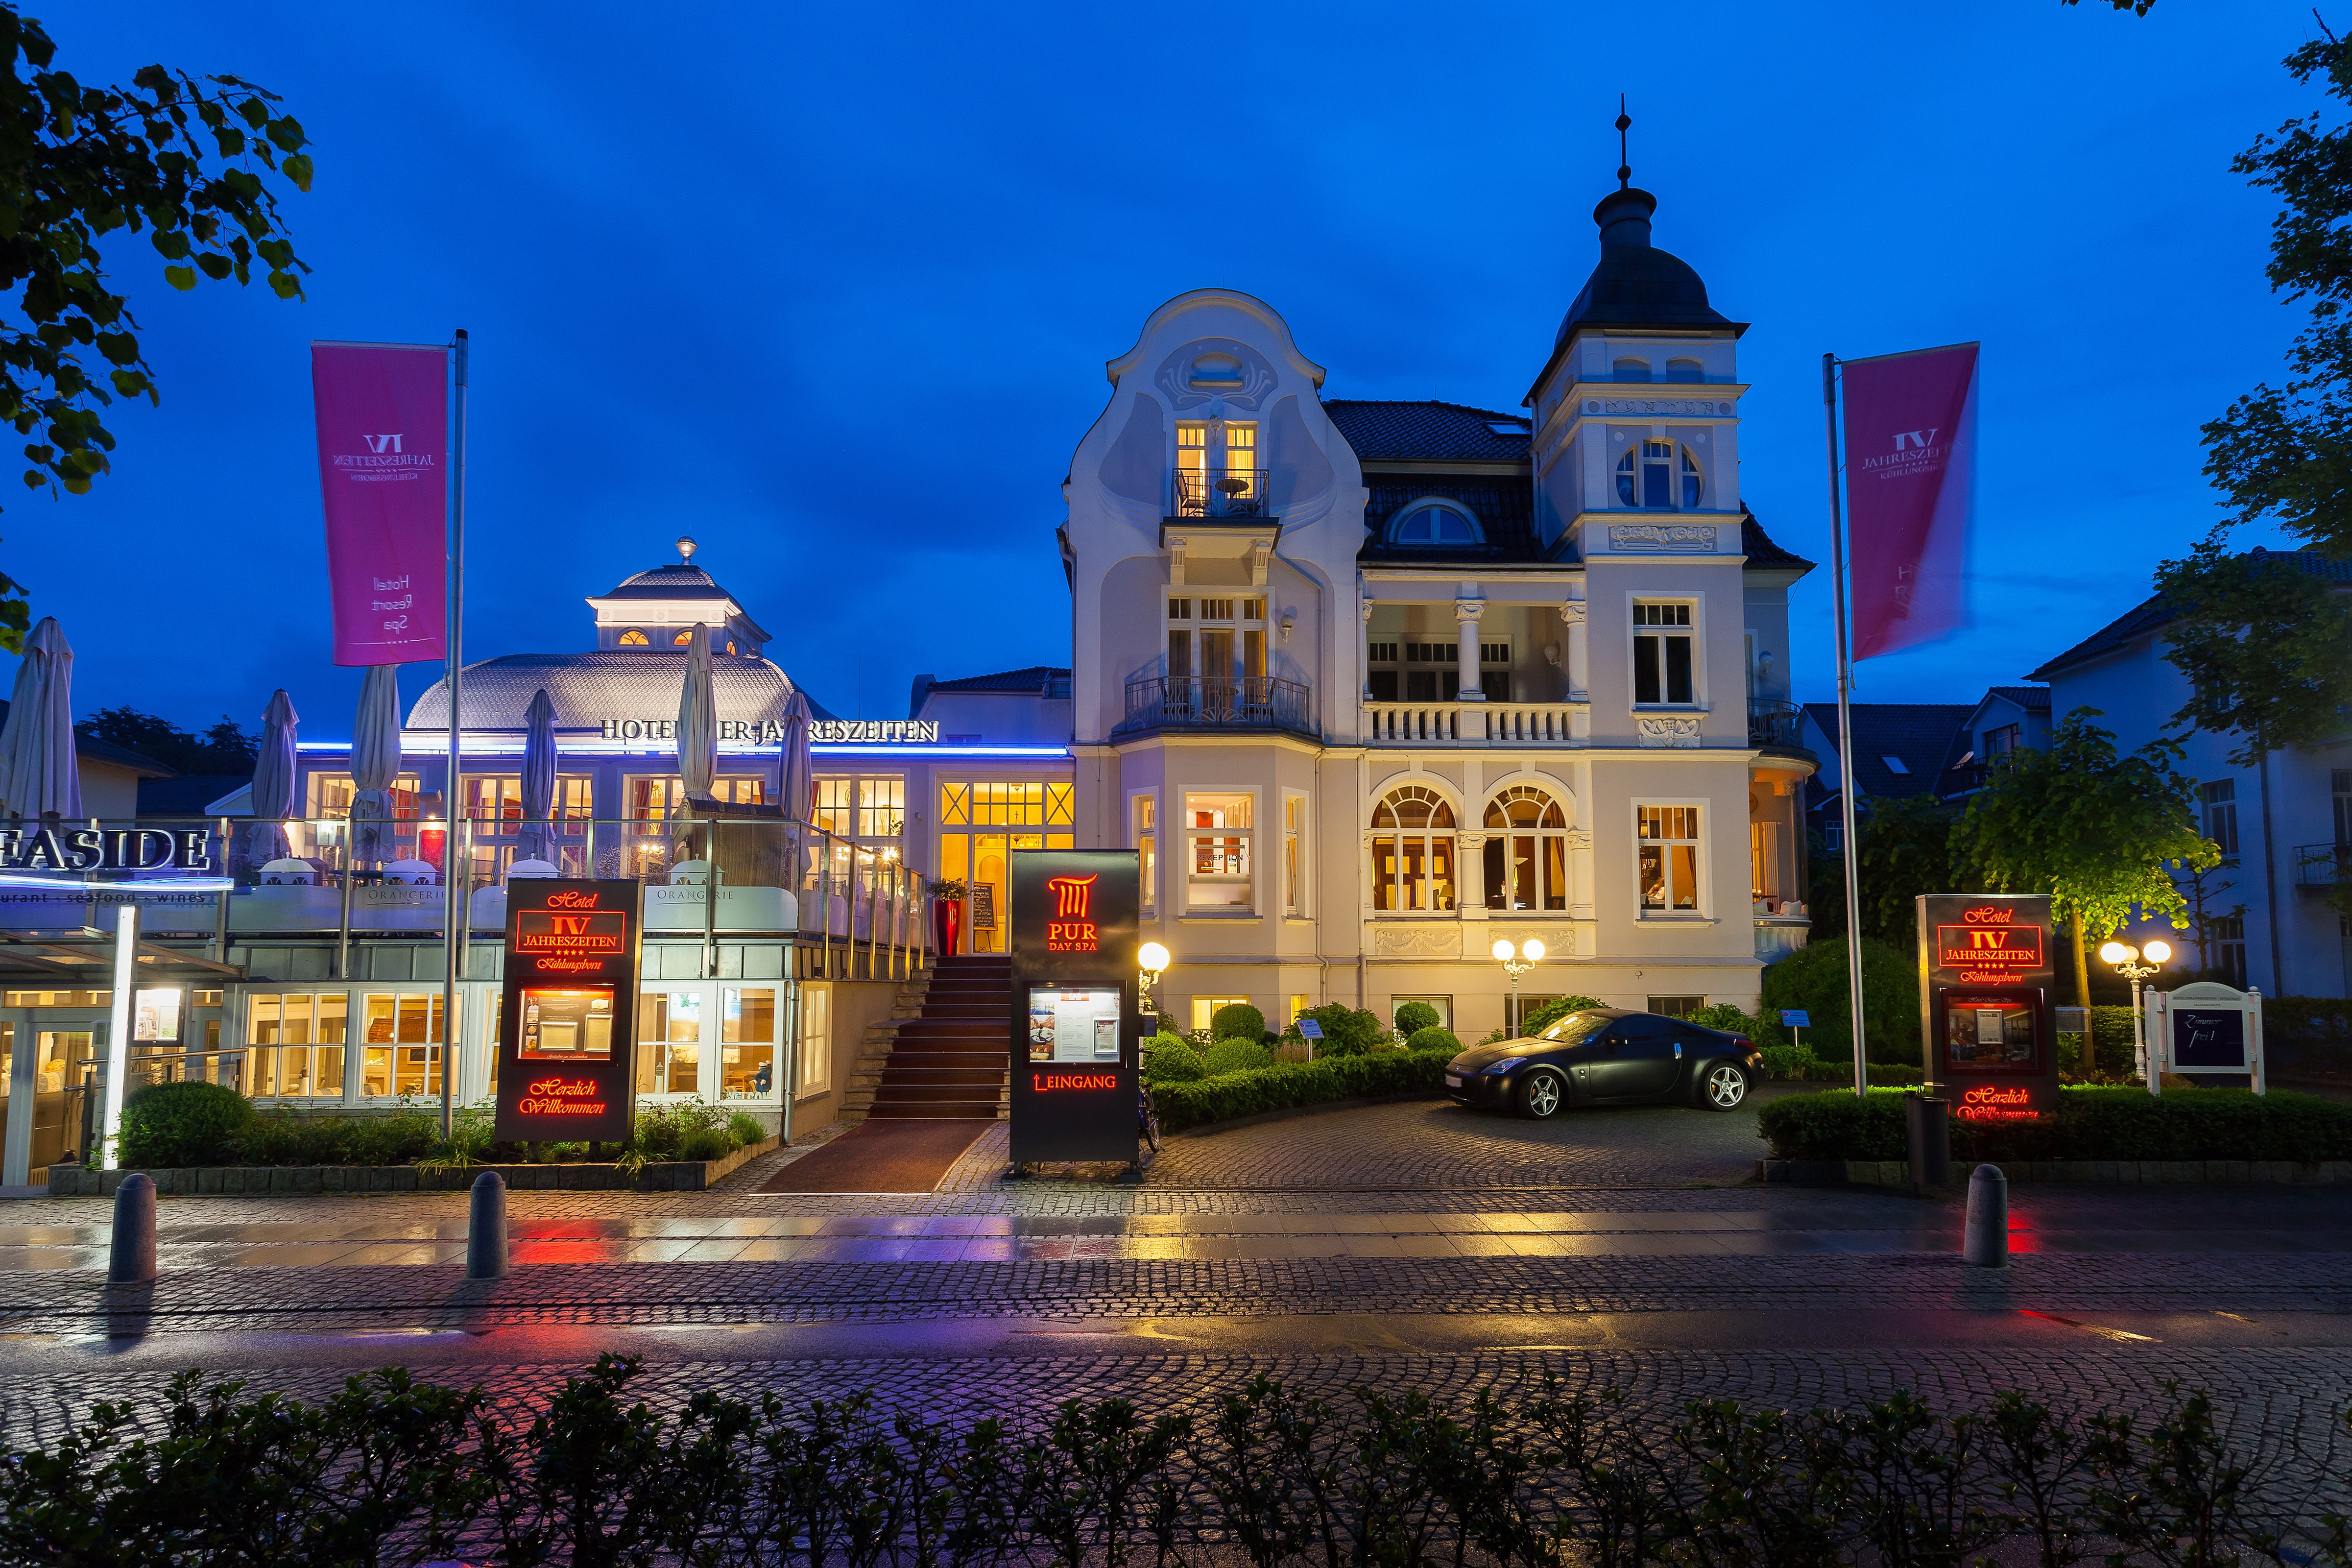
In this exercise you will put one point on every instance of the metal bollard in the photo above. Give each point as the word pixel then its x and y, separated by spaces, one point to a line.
pixel 1985 1244
pixel 486 1228
pixel 132 1259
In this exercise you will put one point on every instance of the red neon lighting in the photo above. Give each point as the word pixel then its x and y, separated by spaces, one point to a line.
pixel 1072 930
pixel 601 932
pixel 564 1097
pixel 573 900
pixel 1044 1081
pixel 1989 947
pixel 1991 1102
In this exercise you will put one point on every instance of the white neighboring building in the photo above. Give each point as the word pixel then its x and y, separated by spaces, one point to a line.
pixel 1373 685
pixel 2287 824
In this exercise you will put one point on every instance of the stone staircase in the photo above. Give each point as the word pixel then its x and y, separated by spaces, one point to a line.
pixel 945 1052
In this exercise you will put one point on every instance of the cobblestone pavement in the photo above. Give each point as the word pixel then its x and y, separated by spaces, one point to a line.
pixel 1609 1249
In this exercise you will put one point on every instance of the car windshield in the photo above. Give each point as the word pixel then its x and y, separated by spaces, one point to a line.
pixel 1575 1028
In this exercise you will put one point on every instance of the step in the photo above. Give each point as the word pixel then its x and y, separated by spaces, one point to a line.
pixel 973 1112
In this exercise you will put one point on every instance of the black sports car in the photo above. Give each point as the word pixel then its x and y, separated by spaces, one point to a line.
pixel 1607 1055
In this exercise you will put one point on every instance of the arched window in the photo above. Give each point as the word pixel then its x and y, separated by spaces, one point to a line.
pixel 1434 522
pixel 634 638
pixel 1631 370
pixel 683 638
pixel 1685 370
pixel 1412 851
pixel 1527 854
pixel 1646 477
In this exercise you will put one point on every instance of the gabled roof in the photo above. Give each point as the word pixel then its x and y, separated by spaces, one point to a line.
pixel 1916 734
pixel 2032 699
pixel 2157 610
pixel 1428 431
pixel 1037 679
pixel 1759 547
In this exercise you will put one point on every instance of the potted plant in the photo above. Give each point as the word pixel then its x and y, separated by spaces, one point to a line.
pixel 948 894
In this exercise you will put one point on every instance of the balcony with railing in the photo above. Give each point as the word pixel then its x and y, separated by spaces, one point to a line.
pixel 1216 702
pixel 1217 492
pixel 1475 723
pixel 1777 724
pixel 2323 868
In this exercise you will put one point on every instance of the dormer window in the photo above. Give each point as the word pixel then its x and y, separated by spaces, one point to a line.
pixel 1433 524
pixel 683 638
pixel 633 638
pixel 1646 477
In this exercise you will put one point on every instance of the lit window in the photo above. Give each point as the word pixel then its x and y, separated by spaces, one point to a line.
pixel 1434 522
pixel 1663 656
pixel 747 1050
pixel 1526 851
pixel 683 638
pixel 1412 851
pixel 669 1042
pixel 402 1054
pixel 1204 1009
pixel 300 1036
pixel 1147 845
pixel 634 638
pixel 1669 863
pixel 881 808
pixel 1217 833
pixel 833 805
pixel 817 1039
pixel 1294 853
pixel 1646 477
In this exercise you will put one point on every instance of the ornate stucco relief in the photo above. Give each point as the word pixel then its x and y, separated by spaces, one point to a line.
pixel 1667 732
pixel 1669 538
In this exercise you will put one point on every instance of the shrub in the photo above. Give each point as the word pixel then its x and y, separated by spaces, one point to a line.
pixel 745 1130
pixel 2090 1123
pixel 1220 1098
pixel 1295 1051
pixel 1168 1059
pixel 1789 1061
pixel 184 1124
pixel 1541 1018
pixel 1727 1017
pixel 1814 978
pixel 705 1143
pixel 1347 1031
pixel 1434 1038
pixel 1236 1021
pixel 289 1138
pixel 1235 1056
pixel 1415 1017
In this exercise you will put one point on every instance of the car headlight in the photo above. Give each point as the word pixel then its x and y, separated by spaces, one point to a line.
pixel 1506 1065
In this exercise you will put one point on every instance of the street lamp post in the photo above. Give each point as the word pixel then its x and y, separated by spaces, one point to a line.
pixel 2126 960
pixel 1516 961
pixel 1151 962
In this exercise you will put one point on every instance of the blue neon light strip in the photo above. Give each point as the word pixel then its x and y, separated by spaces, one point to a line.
pixel 145 885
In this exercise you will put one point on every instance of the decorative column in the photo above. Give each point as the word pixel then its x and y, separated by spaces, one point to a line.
pixel 1465 626
pixel 1571 615
pixel 1364 650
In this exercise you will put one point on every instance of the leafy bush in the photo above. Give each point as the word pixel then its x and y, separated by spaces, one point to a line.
pixel 1347 1031
pixel 1295 1051
pixel 183 1123
pixel 2090 1123
pixel 705 1143
pixel 1789 1061
pixel 1236 1021
pixel 1235 1056
pixel 667 1132
pixel 1220 1097
pixel 1814 978
pixel 289 1138
pixel 1168 1059
pixel 744 1130
pixel 1415 1017
pixel 1434 1038
pixel 1540 1019
pixel 1728 1017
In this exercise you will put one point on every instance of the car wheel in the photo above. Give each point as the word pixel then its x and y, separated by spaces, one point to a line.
pixel 1542 1093
pixel 1723 1087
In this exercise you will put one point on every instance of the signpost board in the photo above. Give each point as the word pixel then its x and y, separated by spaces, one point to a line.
pixel 1075 1029
pixel 567 1028
pixel 2205 1028
pixel 1984 1003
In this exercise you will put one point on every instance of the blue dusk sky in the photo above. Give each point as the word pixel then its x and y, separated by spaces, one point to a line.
pixel 830 288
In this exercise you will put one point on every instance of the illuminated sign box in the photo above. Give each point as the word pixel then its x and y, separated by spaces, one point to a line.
pixel 1075 1027
pixel 1984 1003
pixel 566 1026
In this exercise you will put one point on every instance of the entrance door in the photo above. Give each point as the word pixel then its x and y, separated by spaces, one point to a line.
pixel 67 1082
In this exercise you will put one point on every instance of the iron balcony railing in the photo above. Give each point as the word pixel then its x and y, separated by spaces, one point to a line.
pixel 1215 702
pixel 1217 492
pixel 1775 723
pixel 2321 868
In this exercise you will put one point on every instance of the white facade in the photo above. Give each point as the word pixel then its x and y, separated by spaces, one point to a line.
pixel 1283 648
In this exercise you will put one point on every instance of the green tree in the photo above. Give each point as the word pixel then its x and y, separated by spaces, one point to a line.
pixel 2262 641
pixel 1903 847
pixel 2101 833
pixel 1817 979
pixel 223 749
pixel 180 158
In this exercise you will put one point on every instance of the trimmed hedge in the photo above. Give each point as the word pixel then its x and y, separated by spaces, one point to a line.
pixel 1288 1084
pixel 1235 1056
pixel 1415 1017
pixel 1169 1058
pixel 184 1122
pixel 1347 1031
pixel 2091 1124
pixel 1236 1021
pixel 1434 1038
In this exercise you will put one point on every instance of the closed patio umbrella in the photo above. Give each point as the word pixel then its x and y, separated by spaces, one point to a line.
pixel 538 775
pixel 697 721
pixel 273 777
pixel 39 773
pixel 375 762
pixel 799 770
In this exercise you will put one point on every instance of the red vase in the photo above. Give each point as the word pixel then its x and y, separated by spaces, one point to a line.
pixel 946 920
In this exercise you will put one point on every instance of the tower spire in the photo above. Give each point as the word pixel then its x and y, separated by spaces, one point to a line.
pixel 1625 162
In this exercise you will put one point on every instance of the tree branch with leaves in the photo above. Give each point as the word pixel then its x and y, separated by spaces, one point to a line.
pixel 189 160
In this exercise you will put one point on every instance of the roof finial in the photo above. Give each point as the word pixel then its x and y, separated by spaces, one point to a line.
pixel 1625 162
pixel 685 547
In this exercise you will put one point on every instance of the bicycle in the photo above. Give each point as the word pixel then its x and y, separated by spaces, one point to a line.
pixel 1146 1121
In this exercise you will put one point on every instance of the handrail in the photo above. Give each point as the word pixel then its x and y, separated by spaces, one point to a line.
pixel 1215 702
pixel 1217 492
pixel 1772 723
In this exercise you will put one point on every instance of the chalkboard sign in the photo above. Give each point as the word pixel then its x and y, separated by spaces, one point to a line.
pixel 983 906
pixel 2209 1038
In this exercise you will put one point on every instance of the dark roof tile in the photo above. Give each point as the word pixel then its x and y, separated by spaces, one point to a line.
pixel 1427 431
pixel 2155 611
pixel 1916 734
pixel 1037 678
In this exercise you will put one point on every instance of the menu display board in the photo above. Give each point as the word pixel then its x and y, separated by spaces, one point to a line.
pixel 1984 1003
pixel 566 1025
pixel 1074 1025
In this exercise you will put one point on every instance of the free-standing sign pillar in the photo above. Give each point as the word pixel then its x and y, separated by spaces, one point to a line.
pixel 568 1026
pixel 1075 1030
pixel 118 1032
pixel 1984 1003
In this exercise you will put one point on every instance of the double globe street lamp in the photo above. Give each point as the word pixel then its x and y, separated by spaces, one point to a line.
pixel 1152 960
pixel 2126 960
pixel 1516 961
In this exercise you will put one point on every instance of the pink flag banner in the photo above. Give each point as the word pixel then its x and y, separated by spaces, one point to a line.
pixel 1910 455
pixel 383 472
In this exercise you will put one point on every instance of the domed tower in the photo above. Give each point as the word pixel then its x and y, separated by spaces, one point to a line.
pixel 1641 320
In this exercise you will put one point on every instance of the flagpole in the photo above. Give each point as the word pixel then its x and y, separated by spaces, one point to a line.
pixel 1845 733
pixel 452 936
